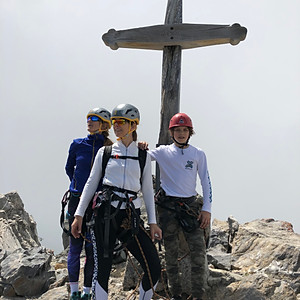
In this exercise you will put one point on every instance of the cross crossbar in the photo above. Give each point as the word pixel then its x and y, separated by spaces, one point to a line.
pixel 171 38
pixel 184 35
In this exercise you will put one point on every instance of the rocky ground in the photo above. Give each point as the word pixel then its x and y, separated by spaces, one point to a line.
pixel 258 260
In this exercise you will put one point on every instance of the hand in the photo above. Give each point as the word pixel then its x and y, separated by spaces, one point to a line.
pixel 155 232
pixel 204 218
pixel 143 145
pixel 76 227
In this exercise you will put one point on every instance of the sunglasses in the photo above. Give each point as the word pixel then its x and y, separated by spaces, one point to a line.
pixel 118 121
pixel 93 118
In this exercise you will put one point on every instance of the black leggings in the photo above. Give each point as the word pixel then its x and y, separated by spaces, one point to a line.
pixel 148 248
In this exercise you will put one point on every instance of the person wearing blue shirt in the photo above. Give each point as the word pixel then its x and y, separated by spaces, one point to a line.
pixel 80 160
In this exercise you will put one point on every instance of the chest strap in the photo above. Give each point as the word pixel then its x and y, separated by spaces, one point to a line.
pixel 121 190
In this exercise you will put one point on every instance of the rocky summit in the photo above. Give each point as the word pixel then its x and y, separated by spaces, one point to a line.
pixel 258 260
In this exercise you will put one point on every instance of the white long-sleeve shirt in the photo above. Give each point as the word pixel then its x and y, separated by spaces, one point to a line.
pixel 178 172
pixel 121 173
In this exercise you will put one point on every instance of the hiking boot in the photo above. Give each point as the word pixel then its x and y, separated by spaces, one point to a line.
pixel 86 296
pixel 176 297
pixel 75 296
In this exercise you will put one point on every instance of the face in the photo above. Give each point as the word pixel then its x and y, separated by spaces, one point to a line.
pixel 93 126
pixel 105 126
pixel 121 127
pixel 181 134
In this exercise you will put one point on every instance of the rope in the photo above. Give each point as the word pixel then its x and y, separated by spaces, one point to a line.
pixel 163 282
pixel 137 272
pixel 95 272
pixel 84 237
pixel 155 295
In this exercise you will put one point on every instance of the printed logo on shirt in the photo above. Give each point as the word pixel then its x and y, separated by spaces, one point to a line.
pixel 189 165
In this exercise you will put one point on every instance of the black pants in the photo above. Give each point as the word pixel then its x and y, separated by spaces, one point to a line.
pixel 148 248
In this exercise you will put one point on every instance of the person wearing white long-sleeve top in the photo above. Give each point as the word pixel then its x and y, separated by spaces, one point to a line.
pixel 121 182
pixel 180 165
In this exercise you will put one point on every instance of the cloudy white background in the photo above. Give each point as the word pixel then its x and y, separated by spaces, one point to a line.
pixel 244 100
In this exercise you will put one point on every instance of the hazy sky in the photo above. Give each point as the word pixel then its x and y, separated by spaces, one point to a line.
pixel 244 100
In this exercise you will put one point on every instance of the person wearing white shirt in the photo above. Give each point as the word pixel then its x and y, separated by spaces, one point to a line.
pixel 120 205
pixel 180 164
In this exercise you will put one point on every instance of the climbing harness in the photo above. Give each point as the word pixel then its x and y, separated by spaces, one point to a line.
pixel 105 197
pixel 108 194
pixel 64 201
pixel 67 217
pixel 186 216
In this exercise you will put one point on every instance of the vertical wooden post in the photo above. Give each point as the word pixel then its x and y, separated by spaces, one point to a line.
pixel 172 39
pixel 171 73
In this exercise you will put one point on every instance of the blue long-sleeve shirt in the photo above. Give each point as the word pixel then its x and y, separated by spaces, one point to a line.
pixel 80 160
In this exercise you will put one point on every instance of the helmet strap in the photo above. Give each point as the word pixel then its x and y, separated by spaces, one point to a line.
pixel 130 131
pixel 97 132
pixel 181 145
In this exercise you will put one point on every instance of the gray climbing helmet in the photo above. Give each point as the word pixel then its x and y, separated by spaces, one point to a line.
pixel 102 113
pixel 126 111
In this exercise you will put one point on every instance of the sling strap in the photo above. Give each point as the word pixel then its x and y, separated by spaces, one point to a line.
pixel 64 202
pixel 109 218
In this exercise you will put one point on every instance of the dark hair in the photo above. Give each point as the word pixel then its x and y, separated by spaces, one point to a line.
pixel 107 140
pixel 134 136
pixel 191 130
pixel 134 133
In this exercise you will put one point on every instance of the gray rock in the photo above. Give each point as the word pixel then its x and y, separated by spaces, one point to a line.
pixel 28 272
pixel 59 293
pixel 17 227
pixel 219 236
pixel 265 254
pixel 219 259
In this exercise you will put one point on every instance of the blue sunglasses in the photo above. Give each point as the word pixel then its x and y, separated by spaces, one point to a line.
pixel 93 118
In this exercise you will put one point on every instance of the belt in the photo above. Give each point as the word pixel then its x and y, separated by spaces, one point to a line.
pixel 187 200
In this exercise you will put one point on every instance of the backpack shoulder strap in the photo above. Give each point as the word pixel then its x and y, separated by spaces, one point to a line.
pixel 142 160
pixel 105 158
pixel 142 154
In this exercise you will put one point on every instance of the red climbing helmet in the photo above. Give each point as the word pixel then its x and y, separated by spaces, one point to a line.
pixel 180 119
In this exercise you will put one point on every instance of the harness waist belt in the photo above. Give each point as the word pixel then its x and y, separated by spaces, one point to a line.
pixel 188 200
pixel 110 217
pixel 121 190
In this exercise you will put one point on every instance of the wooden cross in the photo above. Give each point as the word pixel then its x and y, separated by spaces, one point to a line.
pixel 172 37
